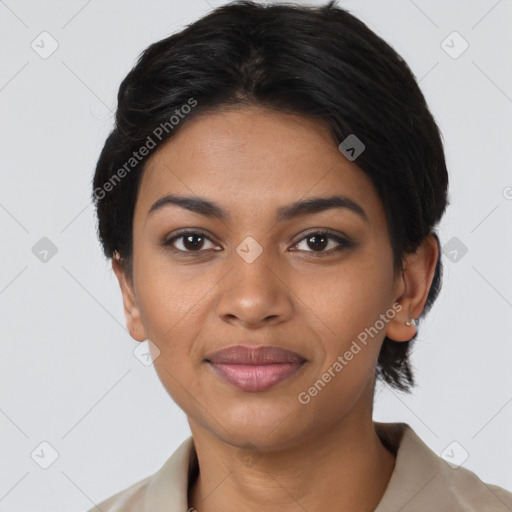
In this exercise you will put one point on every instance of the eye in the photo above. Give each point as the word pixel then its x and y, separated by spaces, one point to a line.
pixel 190 241
pixel 319 240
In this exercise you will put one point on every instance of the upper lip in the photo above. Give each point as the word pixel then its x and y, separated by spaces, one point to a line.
pixel 242 354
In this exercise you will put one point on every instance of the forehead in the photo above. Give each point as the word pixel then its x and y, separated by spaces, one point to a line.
pixel 248 156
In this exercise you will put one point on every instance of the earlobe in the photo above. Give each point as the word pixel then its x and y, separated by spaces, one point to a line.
pixel 417 275
pixel 131 309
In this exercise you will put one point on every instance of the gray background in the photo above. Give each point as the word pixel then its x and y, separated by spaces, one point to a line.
pixel 67 370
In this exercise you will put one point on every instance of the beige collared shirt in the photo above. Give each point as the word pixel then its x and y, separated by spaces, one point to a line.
pixel 421 481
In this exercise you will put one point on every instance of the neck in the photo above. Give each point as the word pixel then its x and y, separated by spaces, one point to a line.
pixel 345 468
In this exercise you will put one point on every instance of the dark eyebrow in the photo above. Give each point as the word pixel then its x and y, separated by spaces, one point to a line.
pixel 319 204
pixel 303 207
pixel 194 204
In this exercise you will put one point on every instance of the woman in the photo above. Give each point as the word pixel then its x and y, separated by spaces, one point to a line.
pixel 269 197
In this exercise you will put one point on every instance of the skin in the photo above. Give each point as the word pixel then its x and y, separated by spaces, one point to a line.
pixel 317 456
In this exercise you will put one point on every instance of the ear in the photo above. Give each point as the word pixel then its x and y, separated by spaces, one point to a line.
pixel 412 285
pixel 131 309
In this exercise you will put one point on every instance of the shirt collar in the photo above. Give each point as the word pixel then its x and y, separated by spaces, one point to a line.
pixel 421 480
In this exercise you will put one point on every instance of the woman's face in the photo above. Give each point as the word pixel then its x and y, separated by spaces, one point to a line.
pixel 253 278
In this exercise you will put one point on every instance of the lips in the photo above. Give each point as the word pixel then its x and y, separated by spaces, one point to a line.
pixel 255 368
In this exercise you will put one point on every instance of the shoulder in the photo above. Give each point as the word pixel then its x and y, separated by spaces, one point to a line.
pixel 131 498
pixel 164 490
pixel 464 491
pixel 422 480
pixel 467 492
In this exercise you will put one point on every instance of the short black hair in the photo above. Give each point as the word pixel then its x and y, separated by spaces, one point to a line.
pixel 320 62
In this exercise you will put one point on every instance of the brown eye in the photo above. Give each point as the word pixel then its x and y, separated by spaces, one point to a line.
pixel 189 241
pixel 318 241
pixel 193 241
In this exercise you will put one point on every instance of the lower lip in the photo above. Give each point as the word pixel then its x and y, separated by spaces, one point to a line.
pixel 256 377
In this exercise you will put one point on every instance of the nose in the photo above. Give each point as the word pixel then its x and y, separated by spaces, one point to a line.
pixel 254 294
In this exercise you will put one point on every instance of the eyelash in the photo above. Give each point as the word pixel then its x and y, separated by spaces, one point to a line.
pixel 344 243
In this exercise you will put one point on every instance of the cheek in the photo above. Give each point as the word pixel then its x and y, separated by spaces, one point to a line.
pixel 349 303
pixel 174 328
pixel 171 298
pixel 348 299
pixel 172 308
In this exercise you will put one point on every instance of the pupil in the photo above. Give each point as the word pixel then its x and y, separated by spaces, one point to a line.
pixel 318 245
pixel 191 245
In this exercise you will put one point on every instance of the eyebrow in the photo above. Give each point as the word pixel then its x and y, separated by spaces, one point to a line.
pixel 303 207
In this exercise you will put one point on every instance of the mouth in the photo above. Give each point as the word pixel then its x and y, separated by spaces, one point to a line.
pixel 255 368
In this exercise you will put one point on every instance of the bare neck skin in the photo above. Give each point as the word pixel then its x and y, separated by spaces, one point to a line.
pixel 344 468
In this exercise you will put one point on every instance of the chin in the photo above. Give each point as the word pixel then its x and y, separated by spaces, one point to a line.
pixel 266 428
